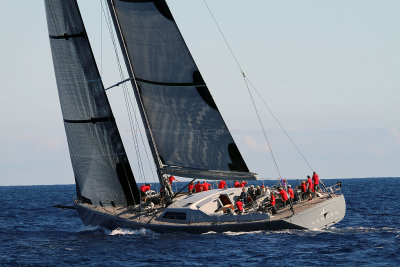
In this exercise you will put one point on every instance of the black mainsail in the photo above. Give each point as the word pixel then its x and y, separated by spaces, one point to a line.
pixel 102 172
pixel 186 131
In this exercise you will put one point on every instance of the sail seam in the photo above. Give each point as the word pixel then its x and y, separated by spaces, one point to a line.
pixel 67 36
pixel 91 120
pixel 170 84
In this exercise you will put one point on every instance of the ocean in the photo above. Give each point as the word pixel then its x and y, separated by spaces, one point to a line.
pixel 33 233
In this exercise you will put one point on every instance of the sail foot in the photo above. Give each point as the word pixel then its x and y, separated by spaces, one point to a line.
pixel 209 174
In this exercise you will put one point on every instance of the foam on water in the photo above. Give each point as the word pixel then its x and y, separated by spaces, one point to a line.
pixel 124 231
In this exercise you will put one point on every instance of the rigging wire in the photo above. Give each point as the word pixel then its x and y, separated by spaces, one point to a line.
pixel 129 107
pixel 245 80
pixel 280 125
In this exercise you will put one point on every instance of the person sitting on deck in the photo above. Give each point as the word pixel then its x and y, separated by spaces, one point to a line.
pixel 222 185
pixel 236 184
pixel 258 191
pixel 198 187
pixel 310 187
pixel 284 196
pixel 239 205
pixel 244 195
pixel 243 184
pixel 290 192
pixel 251 192
pixel 143 189
pixel 190 187
pixel 315 179
pixel 206 186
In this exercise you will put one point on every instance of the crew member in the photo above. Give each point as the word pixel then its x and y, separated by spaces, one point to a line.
pixel 236 184
pixel 310 187
pixel 303 189
pixel 239 205
pixel 190 187
pixel 290 191
pixel 284 195
pixel 315 179
pixel 143 189
pixel 171 179
pixel 206 186
pixel 222 185
pixel 272 203
pixel 243 184
pixel 198 187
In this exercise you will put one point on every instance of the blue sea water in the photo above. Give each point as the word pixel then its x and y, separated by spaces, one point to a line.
pixel 33 233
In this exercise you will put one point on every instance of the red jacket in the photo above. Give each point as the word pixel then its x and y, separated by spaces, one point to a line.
pixel 190 187
pixel 283 195
pixel 171 178
pixel 222 185
pixel 198 187
pixel 243 184
pixel 206 186
pixel 303 187
pixel 272 201
pixel 144 188
pixel 310 184
pixel 239 205
pixel 237 184
pixel 291 193
pixel 315 178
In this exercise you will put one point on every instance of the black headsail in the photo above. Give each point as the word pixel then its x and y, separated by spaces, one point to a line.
pixel 102 172
pixel 185 127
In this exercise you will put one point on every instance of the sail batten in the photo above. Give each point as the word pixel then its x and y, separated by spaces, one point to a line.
pixel 187 128
pixel 102 171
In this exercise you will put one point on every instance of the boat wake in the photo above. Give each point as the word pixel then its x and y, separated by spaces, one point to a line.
pixel 124 231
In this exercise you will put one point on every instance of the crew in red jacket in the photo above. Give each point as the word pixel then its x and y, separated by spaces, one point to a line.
pixel 315 179
pixel 198 187
pixel 271 204
pixel 243 184
pixel 310 187
pixel 303 189
pixel 143 189
pixel 239 205
pixel 284 196
pixel 191 187
pixel 272 200
pixel 290 191
pixel 206 186
pixel 236 184
pixel 171 179
pixel 222 185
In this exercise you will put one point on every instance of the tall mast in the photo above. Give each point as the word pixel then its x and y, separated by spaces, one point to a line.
pixel 163 181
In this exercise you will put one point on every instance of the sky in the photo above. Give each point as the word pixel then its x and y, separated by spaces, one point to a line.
pixel 327 69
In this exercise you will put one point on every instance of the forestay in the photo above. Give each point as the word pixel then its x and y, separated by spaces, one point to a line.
pixel 102 171
pixel 189 133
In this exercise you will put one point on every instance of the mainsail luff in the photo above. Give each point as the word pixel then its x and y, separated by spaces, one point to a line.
pixel 102 172
pixel 153 147
pixel 188 132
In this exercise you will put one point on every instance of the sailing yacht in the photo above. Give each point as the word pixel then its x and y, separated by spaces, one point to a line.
pixel 186 133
